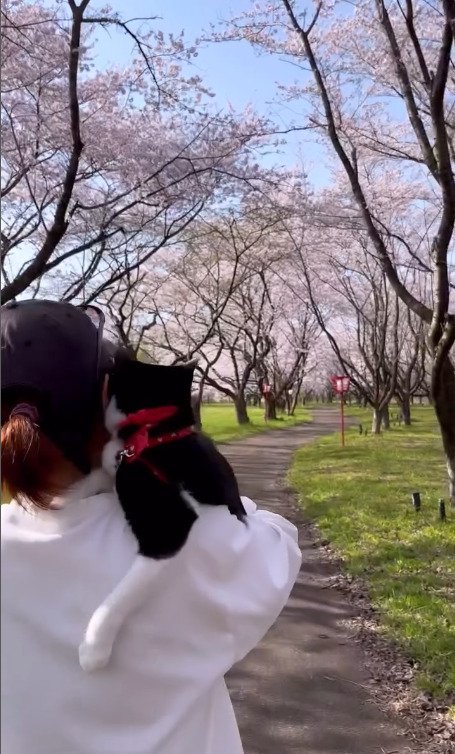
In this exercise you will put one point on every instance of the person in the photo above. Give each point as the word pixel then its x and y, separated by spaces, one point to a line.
pixel 65 544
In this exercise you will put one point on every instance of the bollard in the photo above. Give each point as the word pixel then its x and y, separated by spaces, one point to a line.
pixel 442 510
pixel 416 500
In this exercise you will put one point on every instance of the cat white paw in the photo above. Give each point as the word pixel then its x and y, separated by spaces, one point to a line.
pixel 94 656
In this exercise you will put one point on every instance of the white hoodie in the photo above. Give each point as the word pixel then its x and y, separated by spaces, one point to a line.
pixel 163 691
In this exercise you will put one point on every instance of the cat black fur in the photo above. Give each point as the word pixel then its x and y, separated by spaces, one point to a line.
pixel 158 514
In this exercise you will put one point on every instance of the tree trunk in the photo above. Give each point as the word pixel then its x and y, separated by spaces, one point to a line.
pixel 270 408
pixel 444 404
pixel 377 421
pixel 294 404
pixel 288 403
pixel 241 410
pixel 404 404
pixel 385 416
pixel 196 401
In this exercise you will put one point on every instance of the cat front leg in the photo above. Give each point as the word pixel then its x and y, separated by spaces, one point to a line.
pixel 107 620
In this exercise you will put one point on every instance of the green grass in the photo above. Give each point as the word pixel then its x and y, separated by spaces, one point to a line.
pixel 218 421
pixel 360 498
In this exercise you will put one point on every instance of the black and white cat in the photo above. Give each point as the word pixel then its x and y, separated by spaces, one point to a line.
pixel 165 472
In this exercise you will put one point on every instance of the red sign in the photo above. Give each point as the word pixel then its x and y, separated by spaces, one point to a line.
pixel 340 383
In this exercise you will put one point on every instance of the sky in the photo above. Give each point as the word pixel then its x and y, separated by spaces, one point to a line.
pixel 234 71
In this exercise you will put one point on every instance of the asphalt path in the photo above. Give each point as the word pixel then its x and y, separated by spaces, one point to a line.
pixel 304 689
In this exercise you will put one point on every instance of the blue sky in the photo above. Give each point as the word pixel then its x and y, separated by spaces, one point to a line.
pixel 234 71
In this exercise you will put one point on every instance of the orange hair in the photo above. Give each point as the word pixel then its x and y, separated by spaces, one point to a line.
pixel 27 457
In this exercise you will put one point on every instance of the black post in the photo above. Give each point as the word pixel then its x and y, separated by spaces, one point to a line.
pixel 442 510
pixel 416 500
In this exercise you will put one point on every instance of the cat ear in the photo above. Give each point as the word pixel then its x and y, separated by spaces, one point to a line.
pixel 112 355
pixel 190 364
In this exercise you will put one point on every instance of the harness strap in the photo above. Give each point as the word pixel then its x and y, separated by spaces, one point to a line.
pixel 140 440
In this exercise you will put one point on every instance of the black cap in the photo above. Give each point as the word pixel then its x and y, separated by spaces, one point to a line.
pixel 53 351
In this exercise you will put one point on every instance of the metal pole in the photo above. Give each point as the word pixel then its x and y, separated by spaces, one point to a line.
pixel 442 510
pixel 342 419
pixel 416 501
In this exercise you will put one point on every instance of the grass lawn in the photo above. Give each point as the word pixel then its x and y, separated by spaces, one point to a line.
pixel 360 498
pixel 218 421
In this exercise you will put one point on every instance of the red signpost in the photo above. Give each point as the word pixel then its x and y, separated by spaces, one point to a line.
pixel 340 384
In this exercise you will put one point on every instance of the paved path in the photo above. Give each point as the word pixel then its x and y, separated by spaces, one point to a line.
pixel 299 692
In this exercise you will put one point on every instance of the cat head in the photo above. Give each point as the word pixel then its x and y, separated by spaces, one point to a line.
pixel 136 386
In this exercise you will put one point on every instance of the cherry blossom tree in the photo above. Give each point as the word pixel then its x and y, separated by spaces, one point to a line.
pixel 102 168
pixel 218 302
pixel 333 266
pixel 377 86
pixel 412 363
pixel 219 299
pixel 182 307
pixel 359 314
pixel 243 337
pixel 284 367
pixel 129 315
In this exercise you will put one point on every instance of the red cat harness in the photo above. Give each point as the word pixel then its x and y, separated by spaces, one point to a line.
pixel 146 419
